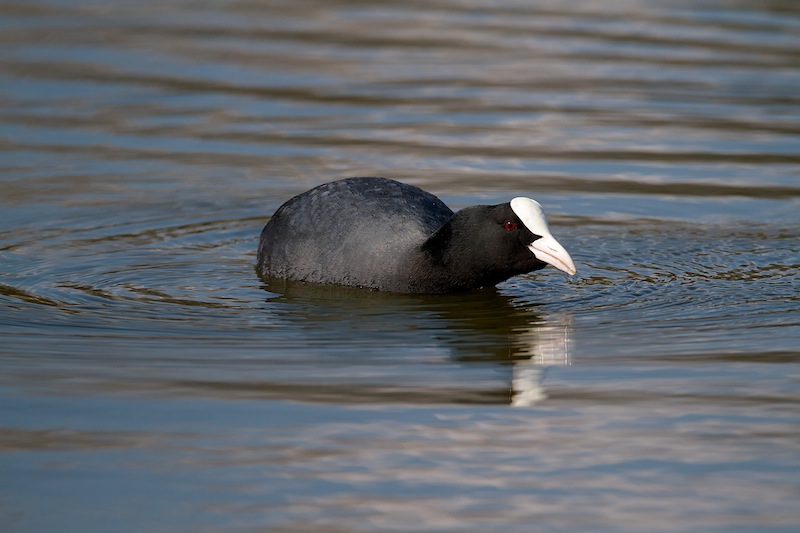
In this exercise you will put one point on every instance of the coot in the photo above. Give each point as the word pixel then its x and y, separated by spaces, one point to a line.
pixel 382 234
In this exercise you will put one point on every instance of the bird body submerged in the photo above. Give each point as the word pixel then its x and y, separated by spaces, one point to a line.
pixel 383 234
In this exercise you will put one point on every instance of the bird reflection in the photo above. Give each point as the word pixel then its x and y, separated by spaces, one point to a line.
pixel 480 327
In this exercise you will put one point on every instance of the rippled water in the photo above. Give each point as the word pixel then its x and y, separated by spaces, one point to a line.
pixel 150 381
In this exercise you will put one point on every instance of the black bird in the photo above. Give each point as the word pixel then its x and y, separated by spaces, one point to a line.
pixel 382 234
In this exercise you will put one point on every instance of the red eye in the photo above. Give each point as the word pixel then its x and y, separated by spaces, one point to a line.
pixel 510 225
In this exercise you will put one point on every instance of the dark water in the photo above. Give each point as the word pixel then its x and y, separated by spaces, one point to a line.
pixel 151 382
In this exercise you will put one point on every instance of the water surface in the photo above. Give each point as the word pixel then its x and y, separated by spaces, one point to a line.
pixel 151 381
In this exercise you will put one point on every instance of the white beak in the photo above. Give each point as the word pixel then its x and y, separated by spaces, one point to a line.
pixel 549 250
pixel 546 248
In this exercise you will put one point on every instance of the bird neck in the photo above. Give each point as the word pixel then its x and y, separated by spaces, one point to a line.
pixel 451 261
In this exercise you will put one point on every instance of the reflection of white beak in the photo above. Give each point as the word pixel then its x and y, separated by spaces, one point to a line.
pixel 547 345
pixel 526 384
pixel 550 251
